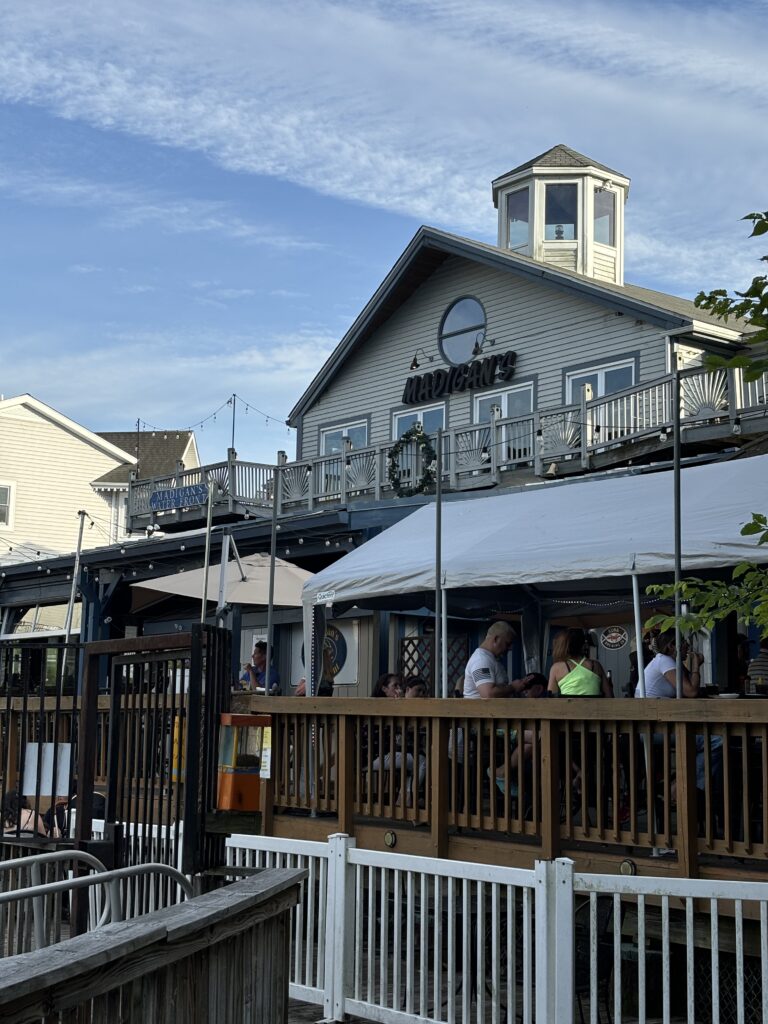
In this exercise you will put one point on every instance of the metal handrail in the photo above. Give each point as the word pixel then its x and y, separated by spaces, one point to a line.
pixel 113 908
pixel 34 863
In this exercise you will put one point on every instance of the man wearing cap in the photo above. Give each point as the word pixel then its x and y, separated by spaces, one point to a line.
pixel 485 675
pixel 254 673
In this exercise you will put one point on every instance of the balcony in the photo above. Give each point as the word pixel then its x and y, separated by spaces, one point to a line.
pixel 596 433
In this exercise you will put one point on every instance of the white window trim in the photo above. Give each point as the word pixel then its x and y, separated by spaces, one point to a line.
pixel 573 242
pixel 11 502
pixel 343 427
pixel 598 368
pixel 478 398
pixel 419 413
pixel 606 245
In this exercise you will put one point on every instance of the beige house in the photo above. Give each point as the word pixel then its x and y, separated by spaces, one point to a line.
pixel 52 467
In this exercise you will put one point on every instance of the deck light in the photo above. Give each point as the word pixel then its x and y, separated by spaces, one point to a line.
pixel 736 428
pixel 415 361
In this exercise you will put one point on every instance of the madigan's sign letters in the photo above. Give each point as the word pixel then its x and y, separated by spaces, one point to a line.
pixel 481 373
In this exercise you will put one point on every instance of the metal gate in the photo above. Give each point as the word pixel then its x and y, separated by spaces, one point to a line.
pixel 150 724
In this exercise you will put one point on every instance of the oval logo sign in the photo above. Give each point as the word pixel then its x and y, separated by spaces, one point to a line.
pixel 614 638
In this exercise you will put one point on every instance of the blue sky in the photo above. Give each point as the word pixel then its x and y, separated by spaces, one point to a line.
pixel 197 198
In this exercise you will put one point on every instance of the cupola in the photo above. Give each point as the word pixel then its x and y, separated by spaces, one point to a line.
pixel 565 209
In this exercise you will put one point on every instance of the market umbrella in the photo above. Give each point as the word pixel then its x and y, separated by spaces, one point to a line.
pixel 253 590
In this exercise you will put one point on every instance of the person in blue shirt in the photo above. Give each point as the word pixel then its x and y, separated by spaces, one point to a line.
pixel 254 673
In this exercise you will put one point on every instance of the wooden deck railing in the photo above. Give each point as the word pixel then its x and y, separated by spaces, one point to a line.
pixel 223 957
pixel 520 779
pixel 475 455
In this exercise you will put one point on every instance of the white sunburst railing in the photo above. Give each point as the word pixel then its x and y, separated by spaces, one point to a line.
pixel 477 454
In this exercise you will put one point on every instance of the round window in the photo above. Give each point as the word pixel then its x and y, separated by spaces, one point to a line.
pixel 462 329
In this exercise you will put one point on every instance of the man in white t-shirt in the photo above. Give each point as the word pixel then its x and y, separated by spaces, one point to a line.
pixel 485 675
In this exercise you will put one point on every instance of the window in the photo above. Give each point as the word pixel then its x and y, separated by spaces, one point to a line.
pixel 605 216
pixel 517 219
pixel 431 418
pixel 560 213
pixel 513 402
pixel 462 328
pixel 605 380
pixel 5 505
pixel 332 440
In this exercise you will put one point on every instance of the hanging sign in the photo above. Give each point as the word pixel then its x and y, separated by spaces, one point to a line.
pixel 480 373
pixel 614 638
pixel 178 497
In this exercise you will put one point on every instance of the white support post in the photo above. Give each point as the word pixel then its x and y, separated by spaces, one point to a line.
pixel 554 940
pixel 339 928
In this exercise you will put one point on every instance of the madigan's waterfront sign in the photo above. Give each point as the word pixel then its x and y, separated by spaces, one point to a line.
pixel 481 373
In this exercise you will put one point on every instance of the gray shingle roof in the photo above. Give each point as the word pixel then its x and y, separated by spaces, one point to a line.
pixel 559 156
pixel 156 450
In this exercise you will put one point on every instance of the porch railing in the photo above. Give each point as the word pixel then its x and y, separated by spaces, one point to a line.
pixel 686 779
pixel 476 455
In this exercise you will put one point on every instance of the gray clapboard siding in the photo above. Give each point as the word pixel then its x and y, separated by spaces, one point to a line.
pixel 547 329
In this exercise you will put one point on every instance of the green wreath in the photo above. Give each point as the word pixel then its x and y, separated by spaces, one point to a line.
pixel 428 460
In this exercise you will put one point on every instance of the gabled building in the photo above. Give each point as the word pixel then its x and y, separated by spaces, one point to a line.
pixel 540 331
pixel 51 467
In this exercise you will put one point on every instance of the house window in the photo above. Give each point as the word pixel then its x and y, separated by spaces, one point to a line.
pixel 561 212
pixel 432 418
pixel 332 440
pixel 5 505
pixel 462 329
pixel 605 217
pixel 517 219
pixel 512 402
pixel 605 380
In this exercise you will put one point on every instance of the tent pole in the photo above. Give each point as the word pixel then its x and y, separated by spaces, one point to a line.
pixel 440 685
pixel 677 515
pixel 638 635
pixel 243 576
pixel 207 563
pixel 223 577
pixel 271 599
pixel 444 650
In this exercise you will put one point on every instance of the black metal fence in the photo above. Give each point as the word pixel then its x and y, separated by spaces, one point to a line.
pixel 158 769
pixel 39 731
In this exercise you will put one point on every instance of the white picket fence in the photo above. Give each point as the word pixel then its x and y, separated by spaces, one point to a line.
pixel 393 938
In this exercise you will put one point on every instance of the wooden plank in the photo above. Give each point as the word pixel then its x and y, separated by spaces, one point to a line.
pixel 439 788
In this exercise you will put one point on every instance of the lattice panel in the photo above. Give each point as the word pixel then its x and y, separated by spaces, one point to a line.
pixel 417 658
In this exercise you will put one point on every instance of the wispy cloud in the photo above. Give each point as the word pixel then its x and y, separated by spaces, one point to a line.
pixel 84 268
pixel 396 104
pixel 126 207
pixel 103 389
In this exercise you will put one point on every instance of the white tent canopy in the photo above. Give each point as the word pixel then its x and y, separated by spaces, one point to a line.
pixel 591 528
pixel 253 590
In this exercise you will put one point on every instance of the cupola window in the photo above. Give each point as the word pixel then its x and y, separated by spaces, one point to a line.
pixel 517 219
pixel 605 216
pixel 462 329
pixel 561 212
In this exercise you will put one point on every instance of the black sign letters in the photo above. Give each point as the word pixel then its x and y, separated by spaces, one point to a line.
pixel 481 373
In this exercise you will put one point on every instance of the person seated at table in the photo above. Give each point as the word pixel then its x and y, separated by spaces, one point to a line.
pixel 325 689
pixel 485 675
pixel 535 685
pixel 390 687
pixel 661 671
pixel 18 815
pixel 415 686
pixel 255 671
pixel 570 677
pixel 660 682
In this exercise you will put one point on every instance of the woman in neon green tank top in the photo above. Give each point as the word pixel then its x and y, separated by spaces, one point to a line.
pixel 572 674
